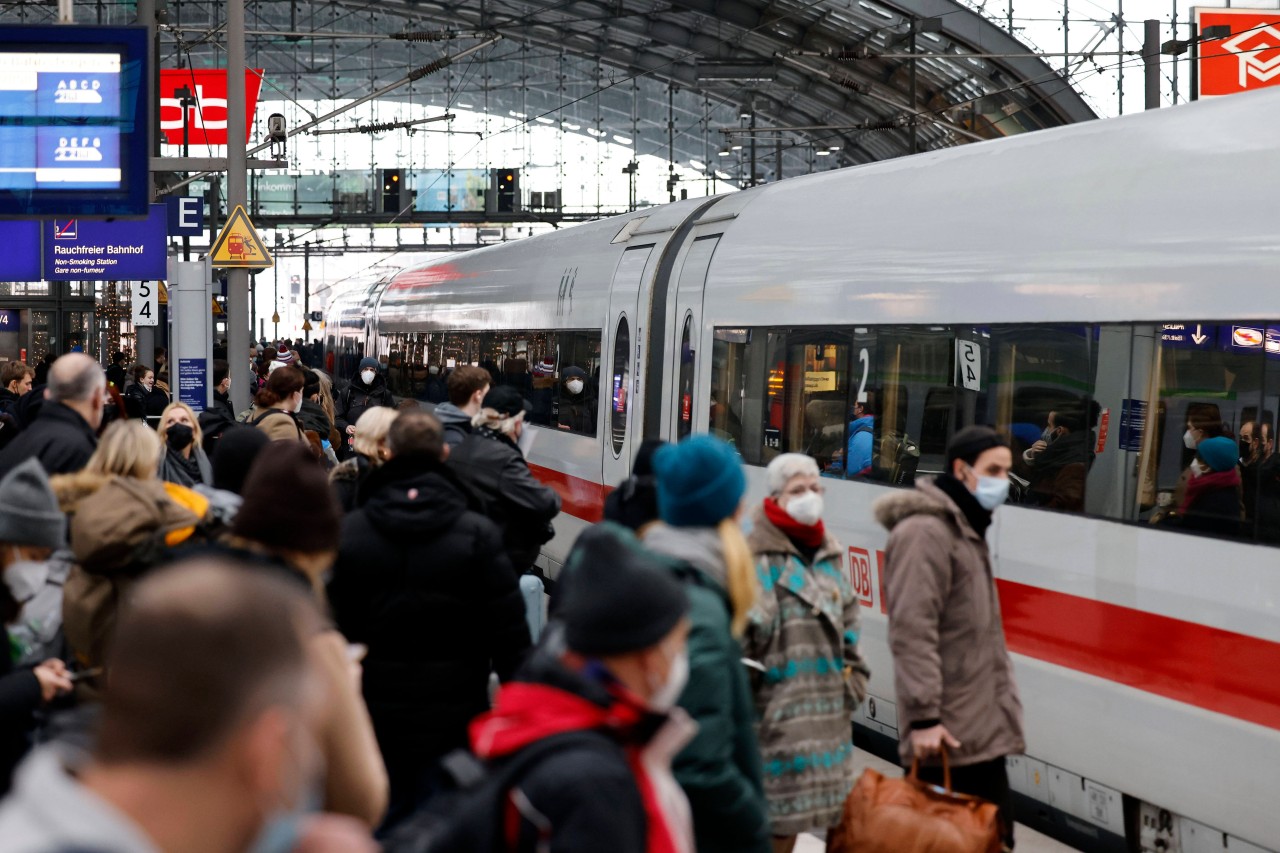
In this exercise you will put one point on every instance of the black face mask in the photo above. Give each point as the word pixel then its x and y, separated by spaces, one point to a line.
pixel 179 436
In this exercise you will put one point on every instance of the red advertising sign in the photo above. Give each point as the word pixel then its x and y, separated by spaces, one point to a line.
pixel 206 120
pixel 1248 59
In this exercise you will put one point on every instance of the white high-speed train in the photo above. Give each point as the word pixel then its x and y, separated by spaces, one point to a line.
pixel 1131 263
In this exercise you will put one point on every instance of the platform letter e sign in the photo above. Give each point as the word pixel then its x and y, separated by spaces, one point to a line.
pixel 860 575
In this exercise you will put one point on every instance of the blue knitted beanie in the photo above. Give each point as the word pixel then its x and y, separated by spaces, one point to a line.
pixel 700 482
pixel 1220 454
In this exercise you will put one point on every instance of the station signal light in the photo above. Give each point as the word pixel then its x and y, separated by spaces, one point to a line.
pixel 393 190
pixel 506 186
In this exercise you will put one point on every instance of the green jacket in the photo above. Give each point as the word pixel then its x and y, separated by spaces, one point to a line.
pixel 720 769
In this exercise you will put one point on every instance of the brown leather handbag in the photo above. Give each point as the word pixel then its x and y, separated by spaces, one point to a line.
pixel 883 815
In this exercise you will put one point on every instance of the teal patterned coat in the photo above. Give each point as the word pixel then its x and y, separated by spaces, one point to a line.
pixel 804 632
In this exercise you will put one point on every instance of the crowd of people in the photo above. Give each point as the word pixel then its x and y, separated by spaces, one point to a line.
pixel 309 626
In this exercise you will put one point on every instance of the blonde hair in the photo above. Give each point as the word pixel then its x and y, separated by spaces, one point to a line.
pixel 326 397
pixel 162 431
pixel 371 431
pixel 127 449
pixel 491 419
pixel 739 572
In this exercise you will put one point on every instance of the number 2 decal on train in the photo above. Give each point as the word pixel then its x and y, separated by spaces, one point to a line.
pixel 564 301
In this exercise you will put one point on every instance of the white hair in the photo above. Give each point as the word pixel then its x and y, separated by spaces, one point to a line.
pixel 786 466
pixel 492 419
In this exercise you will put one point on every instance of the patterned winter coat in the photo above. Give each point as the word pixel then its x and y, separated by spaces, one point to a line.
pixel 804 632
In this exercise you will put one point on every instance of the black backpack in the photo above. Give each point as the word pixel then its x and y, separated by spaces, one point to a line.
pixel 476 814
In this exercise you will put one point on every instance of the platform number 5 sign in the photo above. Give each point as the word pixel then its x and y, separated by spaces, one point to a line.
pixel 969 365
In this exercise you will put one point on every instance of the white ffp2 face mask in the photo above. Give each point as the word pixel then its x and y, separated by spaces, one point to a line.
pixel 665 697
pixel 574 386
pixel 1189 439
pixel 806 508
pixel 367 376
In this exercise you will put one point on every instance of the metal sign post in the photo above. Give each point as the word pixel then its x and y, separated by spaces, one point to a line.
pixel 239 323
pixel 190 332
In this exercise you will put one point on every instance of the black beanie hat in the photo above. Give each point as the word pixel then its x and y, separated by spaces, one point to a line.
pixel 506 401
pixel 288 504
pixel 616 597
pixel 234 455
pixel 969 443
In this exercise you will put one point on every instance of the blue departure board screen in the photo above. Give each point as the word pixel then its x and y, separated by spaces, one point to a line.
pixel 73 121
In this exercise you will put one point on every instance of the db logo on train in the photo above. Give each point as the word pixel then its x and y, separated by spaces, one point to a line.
pixel 860 577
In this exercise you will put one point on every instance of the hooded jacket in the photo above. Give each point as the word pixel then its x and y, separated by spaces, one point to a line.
pixel 606 785
pixel 720 769
pixel 950 660
pixel 120 528
pixel 51 811
pixel 804 631
pixel 457 423
pixel 493 467
pixel 424 583
pixel 61 439
pixel 347 479
pixel 358 397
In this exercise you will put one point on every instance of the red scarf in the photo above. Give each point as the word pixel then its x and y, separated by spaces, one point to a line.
pixel 1210 481
pixel 810 536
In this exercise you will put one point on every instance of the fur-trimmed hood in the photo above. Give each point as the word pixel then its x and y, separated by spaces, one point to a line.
pixel 70 489
pixel 924 499
pixel 347 471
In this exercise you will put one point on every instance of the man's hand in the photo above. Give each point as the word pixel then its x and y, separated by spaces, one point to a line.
pixel 53 678
pixel 927 742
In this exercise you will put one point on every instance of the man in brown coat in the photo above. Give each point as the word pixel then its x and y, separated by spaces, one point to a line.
pixel 954 680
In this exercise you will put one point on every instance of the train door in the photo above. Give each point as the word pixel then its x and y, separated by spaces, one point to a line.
pixel 620 363
pixel 686 407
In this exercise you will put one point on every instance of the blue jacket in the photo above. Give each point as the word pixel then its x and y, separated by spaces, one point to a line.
pixel 861 444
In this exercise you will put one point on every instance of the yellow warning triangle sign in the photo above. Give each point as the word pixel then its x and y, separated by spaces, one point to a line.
pixel 238 246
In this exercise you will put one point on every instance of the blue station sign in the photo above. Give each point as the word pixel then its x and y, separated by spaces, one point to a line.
pixel 95 250
pixel 20 260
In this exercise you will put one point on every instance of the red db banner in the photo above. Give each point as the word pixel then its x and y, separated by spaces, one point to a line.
pixel 206 119
pixel 1248 59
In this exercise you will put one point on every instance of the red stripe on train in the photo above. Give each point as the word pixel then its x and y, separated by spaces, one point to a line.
pixel 1210 668
pixel 580 498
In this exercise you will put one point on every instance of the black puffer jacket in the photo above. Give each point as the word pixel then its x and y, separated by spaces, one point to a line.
pixel 61 439
pixel 424 583
pixel 353 402
pixel 492 465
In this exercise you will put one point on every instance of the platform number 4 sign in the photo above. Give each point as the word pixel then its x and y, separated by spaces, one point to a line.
pixel 146 303
pixel 969 365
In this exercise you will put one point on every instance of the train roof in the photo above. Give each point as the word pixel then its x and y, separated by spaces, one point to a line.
pixel 1140 217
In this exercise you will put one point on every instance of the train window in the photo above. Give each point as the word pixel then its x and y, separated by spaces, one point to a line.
pixel 1042 397
pixel 684 382
pixel 577 380
pixel 736 407
pixel 1214 386
pixel 807 396
pixel 619 386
